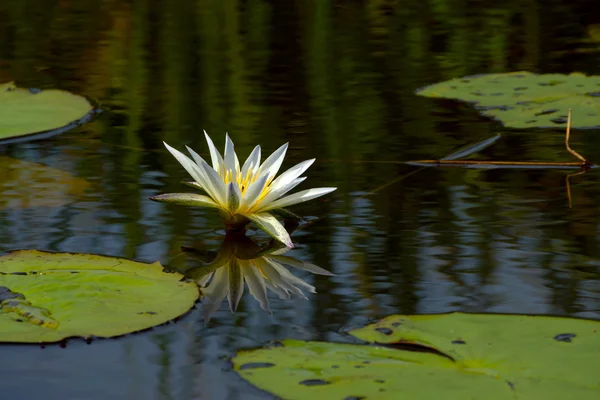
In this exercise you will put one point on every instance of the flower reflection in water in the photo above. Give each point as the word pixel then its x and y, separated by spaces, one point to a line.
pixel 240 260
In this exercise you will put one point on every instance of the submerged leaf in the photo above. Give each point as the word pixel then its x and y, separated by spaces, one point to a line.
pixel 25 184
pixel 47 297
pixel 527 100
pixel 449 356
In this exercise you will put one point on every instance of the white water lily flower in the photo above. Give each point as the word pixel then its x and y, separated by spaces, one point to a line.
pixel 240 260
pixel 250 192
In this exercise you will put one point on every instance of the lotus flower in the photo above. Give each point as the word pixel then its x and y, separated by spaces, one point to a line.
pixel 240 259
pixel 247 193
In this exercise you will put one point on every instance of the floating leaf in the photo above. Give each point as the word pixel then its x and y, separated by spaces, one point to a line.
pixel 25 184
pixel 24 112
pixel 46 297
pixel 527 100
pixel 449 356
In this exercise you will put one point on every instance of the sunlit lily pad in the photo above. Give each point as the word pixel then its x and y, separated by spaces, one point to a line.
pixel 25 184
pixel 46 297
pixel 25 112
pixel 527 100
pixel 449 356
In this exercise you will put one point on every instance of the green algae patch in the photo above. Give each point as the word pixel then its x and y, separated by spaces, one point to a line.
pixel 450 356
pixel 47 297
pixel 25 112
pixel 527 100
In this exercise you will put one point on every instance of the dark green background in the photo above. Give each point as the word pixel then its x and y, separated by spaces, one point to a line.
pixel 336 79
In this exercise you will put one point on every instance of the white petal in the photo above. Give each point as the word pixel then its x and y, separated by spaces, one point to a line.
pixel 269 224
pixel 254 191
pixel 214 184
pixel 275 194
pixel 292 280
pixel 294 262
pixel 203 280
pixel 300 197
pixel 216 291
pixel 274 280
pixel 187 163
pixel 282 294
pixel 215 156
pixel 218 287
pixel 229 153
pixel 195 155
pixel 237 162
pixel 186 199
pixel 299 284
pixel 279 252
pixel 236 284
pixel 273 162
pixel 291 174
pixel 231 161
pixel 256 285
pixel 252 161
pixel 234 197
pixel 286 279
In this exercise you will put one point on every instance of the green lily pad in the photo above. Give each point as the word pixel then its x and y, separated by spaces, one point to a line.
pixel 24 112
pixel 25 184
pixel 527 100
pixel 47 297
pixel 449 356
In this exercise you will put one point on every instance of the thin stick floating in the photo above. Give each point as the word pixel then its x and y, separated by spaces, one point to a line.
pixel 451 160
pixel 569 149
pixel 495 164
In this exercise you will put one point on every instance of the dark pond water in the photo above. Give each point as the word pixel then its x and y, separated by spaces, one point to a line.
pixel 336 79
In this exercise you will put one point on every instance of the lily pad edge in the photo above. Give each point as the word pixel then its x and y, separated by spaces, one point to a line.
pixel 63 342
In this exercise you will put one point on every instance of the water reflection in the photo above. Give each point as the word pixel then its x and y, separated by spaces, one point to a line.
pixel 260 266
pixel 336 80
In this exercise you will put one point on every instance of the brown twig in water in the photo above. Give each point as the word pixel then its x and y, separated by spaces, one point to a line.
pixel 583 171
pixel 450 161
pixel 524 164
pixel 584 164
pixel 569 149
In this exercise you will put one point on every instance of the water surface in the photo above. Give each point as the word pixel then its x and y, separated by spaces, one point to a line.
pixel 336 80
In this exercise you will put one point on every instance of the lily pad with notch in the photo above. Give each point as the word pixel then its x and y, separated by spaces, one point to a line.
pixel 47 297
pixel 450 356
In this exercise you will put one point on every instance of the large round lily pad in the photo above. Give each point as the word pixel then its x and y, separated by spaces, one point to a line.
pixel 25 184
pixel 527 100
pixel 449 356
pixel 46 297
pixel 24 112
